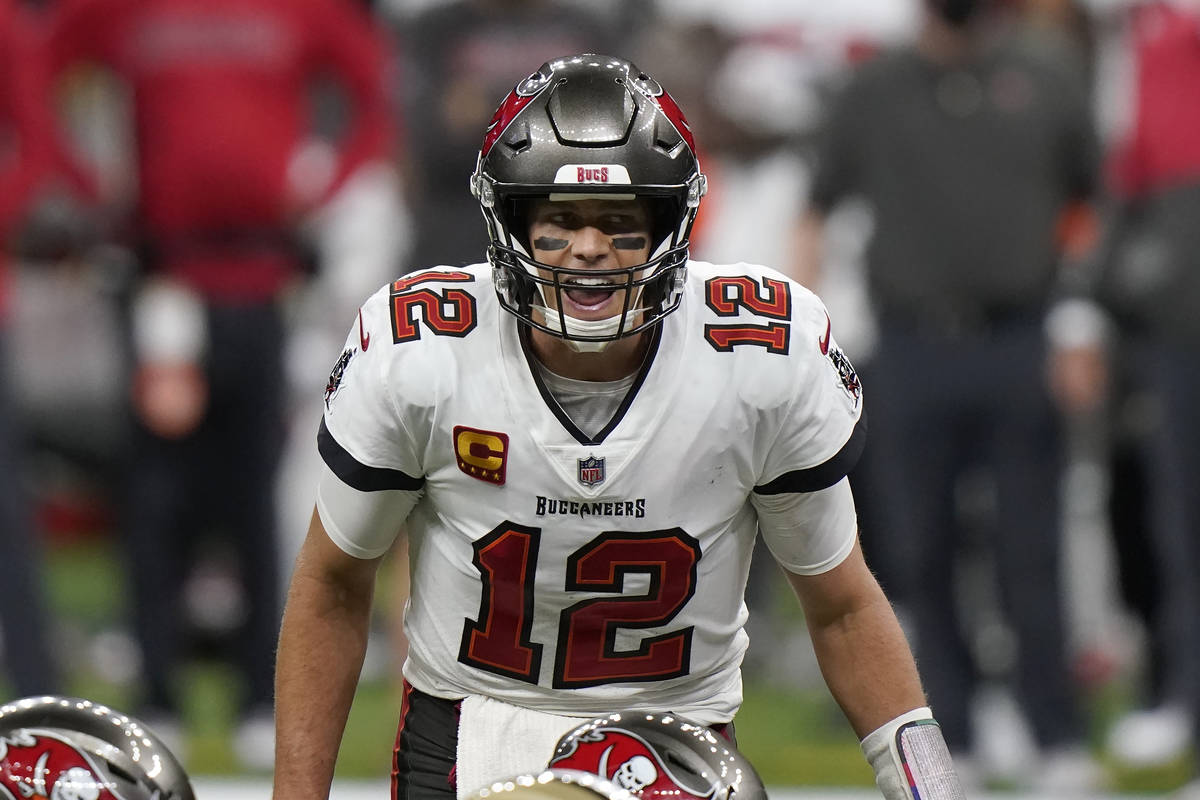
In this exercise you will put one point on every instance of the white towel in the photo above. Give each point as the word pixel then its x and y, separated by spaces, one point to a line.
pixel 498 741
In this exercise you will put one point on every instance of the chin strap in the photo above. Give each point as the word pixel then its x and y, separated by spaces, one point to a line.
pixel 609 326
pixel 910 759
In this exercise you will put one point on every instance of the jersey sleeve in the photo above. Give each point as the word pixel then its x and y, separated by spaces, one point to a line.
pixel 822 431
pixel 804 504
pixel 809 532
pixel 374 473
pixel 362 524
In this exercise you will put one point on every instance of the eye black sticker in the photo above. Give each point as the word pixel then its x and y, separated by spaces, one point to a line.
pixel 549 243
pixel 628 242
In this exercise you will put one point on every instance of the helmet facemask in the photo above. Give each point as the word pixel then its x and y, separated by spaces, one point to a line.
pixel 534 290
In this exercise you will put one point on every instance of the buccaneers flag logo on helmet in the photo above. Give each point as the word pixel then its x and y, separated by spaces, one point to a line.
pixel 37 765
pixel 659 757
pixel 629 762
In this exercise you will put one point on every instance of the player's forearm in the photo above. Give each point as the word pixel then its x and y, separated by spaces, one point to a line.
pixel 862 651
pixel 867 665
pixel 321 649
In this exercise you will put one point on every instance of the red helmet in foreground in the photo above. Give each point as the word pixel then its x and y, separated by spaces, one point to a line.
pixel 660 757
pixel 65 748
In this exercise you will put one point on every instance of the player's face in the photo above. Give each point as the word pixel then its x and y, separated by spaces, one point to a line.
pixel 592 235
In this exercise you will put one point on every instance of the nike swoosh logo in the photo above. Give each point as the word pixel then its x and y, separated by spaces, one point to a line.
pixel 823 342
pixel 364 338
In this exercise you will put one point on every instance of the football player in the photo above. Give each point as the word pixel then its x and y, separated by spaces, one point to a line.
pixel 583 436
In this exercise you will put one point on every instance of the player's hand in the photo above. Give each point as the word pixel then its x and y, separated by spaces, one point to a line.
pixel 1078 377
pixel 170 398
pixel 310 175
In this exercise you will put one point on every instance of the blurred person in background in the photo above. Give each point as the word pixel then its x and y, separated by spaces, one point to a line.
pixel 359 238
pixel 457 57
pixel 1149 280
pixel 29 661
pixel 969 148
pixel 228 163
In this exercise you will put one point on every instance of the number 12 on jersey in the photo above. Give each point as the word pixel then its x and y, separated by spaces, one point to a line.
pixel 499 639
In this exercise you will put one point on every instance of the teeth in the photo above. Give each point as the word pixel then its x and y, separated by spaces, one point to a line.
pixel 591 282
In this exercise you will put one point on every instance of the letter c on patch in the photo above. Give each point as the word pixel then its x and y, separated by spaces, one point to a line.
pixel 481 454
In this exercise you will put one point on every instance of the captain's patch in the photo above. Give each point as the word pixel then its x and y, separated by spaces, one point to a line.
pixel 481 454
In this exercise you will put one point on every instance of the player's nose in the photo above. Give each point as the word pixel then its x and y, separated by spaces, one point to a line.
pixel 591 243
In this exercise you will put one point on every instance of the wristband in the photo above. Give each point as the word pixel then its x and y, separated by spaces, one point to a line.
pixel 169 323
pixel 910 759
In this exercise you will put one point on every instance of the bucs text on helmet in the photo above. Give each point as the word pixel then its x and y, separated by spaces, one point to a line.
pixel 67 748
pixel 660 757
pixel 585 127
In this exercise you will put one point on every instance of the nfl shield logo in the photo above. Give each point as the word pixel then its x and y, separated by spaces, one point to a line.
pixel 591 471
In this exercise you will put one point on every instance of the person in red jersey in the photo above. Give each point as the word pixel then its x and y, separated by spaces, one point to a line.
pixel 230 158
pixel 25 166
pixel 1149 280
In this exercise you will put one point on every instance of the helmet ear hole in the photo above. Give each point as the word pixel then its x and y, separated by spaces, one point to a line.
pixel 517 213
pixel 666 216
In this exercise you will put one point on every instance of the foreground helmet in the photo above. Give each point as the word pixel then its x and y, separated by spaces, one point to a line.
pixel 554 784
pixel 588 126
pixel 63 748
pixel 660 757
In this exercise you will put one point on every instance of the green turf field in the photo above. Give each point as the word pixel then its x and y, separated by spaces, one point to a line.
pixel 794 737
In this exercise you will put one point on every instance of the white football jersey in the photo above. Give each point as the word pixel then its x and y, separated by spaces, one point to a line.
pixel 577 574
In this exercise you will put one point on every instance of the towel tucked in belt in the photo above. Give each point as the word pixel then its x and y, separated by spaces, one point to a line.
pixel 497 741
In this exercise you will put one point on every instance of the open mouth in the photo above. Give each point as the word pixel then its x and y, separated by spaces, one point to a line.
pixel 590 293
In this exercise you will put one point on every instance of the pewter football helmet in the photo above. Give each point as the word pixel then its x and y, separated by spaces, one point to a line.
pixel 65 748
pixel 660 757
pixel 588 126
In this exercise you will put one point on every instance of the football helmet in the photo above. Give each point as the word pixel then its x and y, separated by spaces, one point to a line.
pixel 585 127
pixel 66 748
pixel 660 757
pixel 554 784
